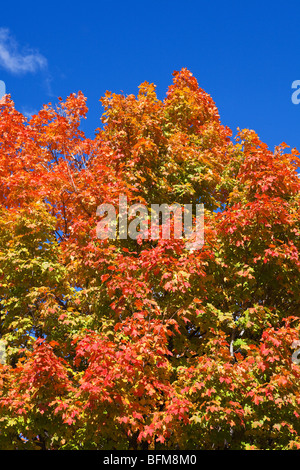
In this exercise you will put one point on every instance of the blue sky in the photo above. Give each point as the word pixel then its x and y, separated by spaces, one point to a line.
pixel 244 54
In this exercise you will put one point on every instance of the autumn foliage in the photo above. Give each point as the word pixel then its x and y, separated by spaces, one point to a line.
pixel 142 344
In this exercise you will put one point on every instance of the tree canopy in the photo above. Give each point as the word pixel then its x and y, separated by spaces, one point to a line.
pixel 143 344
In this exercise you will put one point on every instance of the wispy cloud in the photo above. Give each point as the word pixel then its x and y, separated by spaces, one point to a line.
pixel 16 60
pixel 28 112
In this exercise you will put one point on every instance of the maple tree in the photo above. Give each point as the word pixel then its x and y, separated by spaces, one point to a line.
pixel 143 344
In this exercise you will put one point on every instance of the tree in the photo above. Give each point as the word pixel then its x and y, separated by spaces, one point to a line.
pixel 143 344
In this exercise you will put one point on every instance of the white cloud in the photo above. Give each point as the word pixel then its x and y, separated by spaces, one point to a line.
pixel 15 61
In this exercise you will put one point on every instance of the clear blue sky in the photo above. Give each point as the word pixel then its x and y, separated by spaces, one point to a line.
pixel 244 54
